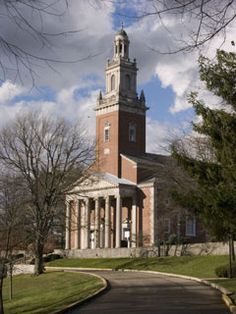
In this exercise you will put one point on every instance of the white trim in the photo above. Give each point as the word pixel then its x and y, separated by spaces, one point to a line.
pixel 128 159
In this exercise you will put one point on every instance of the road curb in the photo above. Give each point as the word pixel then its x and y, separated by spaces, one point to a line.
pixel 225 293
pixel 82 301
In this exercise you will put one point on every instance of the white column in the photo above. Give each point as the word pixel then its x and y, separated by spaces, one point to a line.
pixel 67 240
pixel 76 209
pixel 107 222
pixel 82 222
pixel 87 224
pixel 97 223
pixel 118 221
pixel 134 222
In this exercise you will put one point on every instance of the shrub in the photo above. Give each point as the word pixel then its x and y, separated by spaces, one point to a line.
pixel 223 271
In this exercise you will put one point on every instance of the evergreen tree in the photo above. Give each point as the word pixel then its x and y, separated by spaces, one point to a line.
pixel 213 193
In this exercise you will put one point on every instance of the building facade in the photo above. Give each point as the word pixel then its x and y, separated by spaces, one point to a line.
pixel 126 200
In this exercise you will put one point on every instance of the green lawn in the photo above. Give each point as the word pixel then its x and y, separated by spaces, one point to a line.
pixel 229 284
pixel 197 266
pixel 49 292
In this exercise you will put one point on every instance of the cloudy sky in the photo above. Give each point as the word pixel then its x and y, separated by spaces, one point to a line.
pixel 70 88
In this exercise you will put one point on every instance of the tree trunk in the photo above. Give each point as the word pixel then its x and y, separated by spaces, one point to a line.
pixel 233 251
pixel 39 264
pixel 11 286
pixel 1 298
pixel 230 255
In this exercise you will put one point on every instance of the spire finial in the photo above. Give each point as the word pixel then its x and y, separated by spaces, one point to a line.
pixel 122 25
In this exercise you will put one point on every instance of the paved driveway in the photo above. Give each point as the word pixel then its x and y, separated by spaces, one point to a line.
pixel 133 292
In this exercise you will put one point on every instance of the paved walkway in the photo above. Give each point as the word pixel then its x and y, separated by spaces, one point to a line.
pixel 140 293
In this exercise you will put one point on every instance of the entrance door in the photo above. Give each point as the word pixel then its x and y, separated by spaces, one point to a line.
pixel 92 239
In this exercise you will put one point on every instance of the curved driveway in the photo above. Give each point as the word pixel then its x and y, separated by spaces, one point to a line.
pixel 145 293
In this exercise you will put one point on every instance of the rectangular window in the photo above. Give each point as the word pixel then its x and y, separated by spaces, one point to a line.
pixel 132 132
pixel 106 135
pixel 167 225
pixel 107 132
pixel 190 226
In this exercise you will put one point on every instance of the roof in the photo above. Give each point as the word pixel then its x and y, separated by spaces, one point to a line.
pixel 152 167
pixel 112 178
pixel 122 32
pixel 149 159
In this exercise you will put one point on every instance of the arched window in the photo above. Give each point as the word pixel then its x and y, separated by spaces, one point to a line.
pixel 127 82
pixel 107 132
pixel 132 132
pixel 120 49
pixel 113 83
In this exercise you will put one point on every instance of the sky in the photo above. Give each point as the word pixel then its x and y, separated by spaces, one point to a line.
pixel 70 88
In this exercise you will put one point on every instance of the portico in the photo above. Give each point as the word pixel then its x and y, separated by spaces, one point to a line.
pixel 102 214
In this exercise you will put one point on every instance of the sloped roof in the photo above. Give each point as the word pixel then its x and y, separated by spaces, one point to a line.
pixel 110 178
pixel 149 159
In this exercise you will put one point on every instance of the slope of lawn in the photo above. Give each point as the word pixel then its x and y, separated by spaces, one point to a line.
pixel 196 266
pixel 48 292
pixel 229 284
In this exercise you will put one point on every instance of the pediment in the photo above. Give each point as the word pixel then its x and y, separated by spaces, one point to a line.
pixel 95 182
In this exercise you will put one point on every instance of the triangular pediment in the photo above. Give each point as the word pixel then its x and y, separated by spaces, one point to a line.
pixel 99 181
pixel 95 182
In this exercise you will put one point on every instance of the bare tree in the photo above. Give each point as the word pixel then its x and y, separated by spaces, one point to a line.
pixel 50 155
pixel 27 38
pixel 13 226
pixel 202 20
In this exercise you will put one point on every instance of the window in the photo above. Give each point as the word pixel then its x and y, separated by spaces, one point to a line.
pixel 127 82
pixel 107 132
pixel 132 132
pixel 113 82
pixel 167 225
pixel 190 226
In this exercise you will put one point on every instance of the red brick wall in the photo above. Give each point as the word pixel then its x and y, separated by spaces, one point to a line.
pixel 119 139
pixel 107 162
pixel 145 215
pixel 127 147
pixel 128 170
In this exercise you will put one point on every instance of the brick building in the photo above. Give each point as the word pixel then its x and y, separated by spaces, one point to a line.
pixel 126 201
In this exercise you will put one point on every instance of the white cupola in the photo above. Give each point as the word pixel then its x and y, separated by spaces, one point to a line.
pixel 121 45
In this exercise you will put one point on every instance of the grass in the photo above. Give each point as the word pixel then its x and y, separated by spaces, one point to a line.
pixel 196 266
pixel 49 292
pixel 229 284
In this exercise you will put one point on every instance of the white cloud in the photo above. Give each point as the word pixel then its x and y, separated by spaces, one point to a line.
pixel 65 105
pixel 8 91
pixel 178 71
pixel 160 135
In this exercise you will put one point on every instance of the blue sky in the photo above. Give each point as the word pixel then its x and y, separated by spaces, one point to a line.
pixel 71 89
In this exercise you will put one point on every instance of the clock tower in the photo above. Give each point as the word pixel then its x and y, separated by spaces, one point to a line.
pixel 120 112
